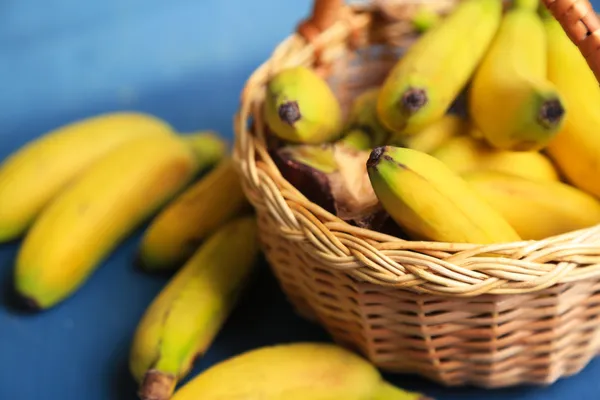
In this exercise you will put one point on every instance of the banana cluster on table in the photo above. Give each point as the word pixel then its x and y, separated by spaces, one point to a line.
pixel 484 131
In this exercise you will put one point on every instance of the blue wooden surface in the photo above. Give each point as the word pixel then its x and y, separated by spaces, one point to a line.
pixel 185 61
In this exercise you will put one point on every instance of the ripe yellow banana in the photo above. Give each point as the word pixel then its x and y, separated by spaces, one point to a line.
pixel 576 148
pixel 363 118
pixel 431 202
pixel 178 229
pixel 429 76
pixel 296 371
pixel 89 218
pixel 465 153
pixel 183 320
pixel 301 107
pixel 34 174
pixel 511 100
pixel 536 209
pixel 435 134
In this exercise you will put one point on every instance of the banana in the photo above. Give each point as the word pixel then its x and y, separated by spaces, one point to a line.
pixel 88 219
pixel 363 118
pixel 435 134
pixel 210 147
pixel 185 317
pixel 510 99
pixel 431 202
pixel 295 371
pixel 300 107
pixel 422 85
pixel 576 148
pixel 465 153
pixel 536 209
pixel 38 171
pixel 175 233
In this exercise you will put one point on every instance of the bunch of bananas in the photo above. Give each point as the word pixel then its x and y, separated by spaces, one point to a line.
pixel 483 132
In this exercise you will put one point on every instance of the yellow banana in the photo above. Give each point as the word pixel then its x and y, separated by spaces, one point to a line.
pixel 432 72
pixel 34 174
pixel 185 317
pixel 576 148
pixel 511 100
pixel 296 371
pixel 88 219
pixel 465 153
pixel 536 209
pixel 175 233
pixel 431 202
pixel 301 107
pixel 363 118
pixel 435 134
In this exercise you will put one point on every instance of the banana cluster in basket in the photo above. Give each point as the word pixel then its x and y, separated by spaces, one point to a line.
pixel 484 131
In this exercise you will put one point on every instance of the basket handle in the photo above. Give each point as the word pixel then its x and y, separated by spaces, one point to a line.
pixel 580 22
pixel 577 18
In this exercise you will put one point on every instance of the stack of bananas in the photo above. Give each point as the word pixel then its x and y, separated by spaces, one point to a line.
pixel 483 132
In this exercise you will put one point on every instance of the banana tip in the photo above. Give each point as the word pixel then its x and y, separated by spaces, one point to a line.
pixel 413 100
pixel 551 112
pixel 375 156
pixel 157 385
pixel 289 112
pixel 27 303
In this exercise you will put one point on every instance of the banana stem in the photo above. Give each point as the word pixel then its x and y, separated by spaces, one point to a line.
pixel 387 391
pixel 157 385
pixel 531 5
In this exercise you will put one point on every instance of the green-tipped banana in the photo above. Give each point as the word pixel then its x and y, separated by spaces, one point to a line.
pixel 431 202
pixel 296 371
pixel 300 107
pixel 511 100
pixel 333 177
pixel 209 146
pixel 175 233
pixel 365 131
pixel 183 320
pixel 429 76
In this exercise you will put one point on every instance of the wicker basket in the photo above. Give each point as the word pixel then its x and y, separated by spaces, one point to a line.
pixel 441 310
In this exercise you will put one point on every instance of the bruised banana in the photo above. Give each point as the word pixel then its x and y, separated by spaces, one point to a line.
pixel 536 209
pixel 365 131
pixel 426 80
pixel 511 100
pixel 37 172
pixel 186 316
pixel 335 178
pixel 465 153
pixel 296 371
pixel 175 233
pixel 89 218
pixel 431 202
pixel 576 148
pixel 435 134
pixel 300 107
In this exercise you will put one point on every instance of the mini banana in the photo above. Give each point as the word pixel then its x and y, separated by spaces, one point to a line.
pixel 296 371
pixel 38 171
pixel 431 202
pixel 536 209
pixel 301 107
pixel 363 118
pixel 435 134
pixel 89 218
pixel 465 153
pixel 183 320
pixel 511 100
pixel 432 72
pixel 576 148
pixel 175 233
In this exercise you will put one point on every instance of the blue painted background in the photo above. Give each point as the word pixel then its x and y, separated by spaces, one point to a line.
pixel 185 61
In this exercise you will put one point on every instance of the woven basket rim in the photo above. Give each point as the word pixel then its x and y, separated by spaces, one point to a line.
pixel 442 268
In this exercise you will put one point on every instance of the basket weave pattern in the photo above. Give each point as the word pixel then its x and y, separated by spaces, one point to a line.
pixel 491 316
